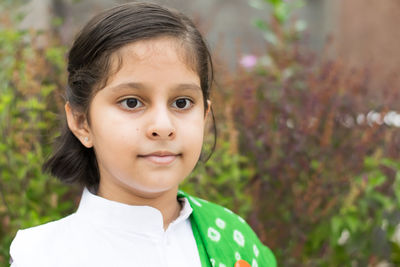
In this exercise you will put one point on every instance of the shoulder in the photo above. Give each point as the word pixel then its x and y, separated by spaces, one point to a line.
pixel 218 223
pixel 37 242
pixel 221 216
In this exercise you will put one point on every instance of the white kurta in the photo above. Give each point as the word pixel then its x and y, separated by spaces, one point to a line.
pixel 108 233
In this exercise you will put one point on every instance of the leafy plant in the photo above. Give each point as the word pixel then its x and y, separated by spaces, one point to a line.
pixel 223 180
pixel 30 78
pixel 309 130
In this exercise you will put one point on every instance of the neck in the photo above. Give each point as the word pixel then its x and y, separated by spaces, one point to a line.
pixel 166 202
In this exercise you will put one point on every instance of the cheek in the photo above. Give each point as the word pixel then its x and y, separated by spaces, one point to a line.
pixel 114 131
pixel 193 135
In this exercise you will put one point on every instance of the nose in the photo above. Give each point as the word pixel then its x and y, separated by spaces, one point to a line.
pixel 161 126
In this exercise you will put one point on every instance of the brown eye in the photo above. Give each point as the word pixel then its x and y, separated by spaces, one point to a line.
pixel 182 103
pixel 131 103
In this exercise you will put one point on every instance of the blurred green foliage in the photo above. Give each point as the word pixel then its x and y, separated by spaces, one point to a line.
pixel 223 180
pixel 30 75
pixel 364 229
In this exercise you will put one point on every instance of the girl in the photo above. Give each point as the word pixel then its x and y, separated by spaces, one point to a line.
pixel 137 101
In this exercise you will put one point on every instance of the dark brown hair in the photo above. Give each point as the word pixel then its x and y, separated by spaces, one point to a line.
pixel 89 67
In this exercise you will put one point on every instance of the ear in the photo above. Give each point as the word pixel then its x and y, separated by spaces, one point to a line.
pixel 208 108
pixel 77 123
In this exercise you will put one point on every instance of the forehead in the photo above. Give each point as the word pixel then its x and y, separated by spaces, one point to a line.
pixel 168 49
pixel 146 48
pixel 155 62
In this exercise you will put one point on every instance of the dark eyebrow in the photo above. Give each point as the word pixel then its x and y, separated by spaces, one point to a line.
pixel 141 86
pixel 187 86
pixel 131 85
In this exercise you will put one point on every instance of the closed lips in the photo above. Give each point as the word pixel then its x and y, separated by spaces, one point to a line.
pixel 161 157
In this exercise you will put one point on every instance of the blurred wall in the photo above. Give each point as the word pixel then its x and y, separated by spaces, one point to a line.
pixel 320 16
pixel 364 31
pixel 226 23
pixel 369 32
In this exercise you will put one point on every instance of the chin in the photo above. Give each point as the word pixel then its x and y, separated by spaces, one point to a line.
pixel 152 190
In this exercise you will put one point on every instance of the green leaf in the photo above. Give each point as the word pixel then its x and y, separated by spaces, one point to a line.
pixel 260 24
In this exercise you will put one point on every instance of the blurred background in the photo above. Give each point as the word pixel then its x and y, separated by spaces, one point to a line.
pixel 307 108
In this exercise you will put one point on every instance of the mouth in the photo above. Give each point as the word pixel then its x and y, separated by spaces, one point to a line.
pixel 161 157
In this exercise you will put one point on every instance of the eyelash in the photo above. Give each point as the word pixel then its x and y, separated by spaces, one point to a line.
pixel 188 100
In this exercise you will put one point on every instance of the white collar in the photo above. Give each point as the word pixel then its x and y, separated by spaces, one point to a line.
pixel 141 219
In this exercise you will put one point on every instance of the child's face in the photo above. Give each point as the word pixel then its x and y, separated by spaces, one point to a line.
pixel 147 124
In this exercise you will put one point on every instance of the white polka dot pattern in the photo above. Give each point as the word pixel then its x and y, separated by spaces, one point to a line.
pixel 195 201
pixel 255 250
pixel 205 201
pixel 238 237
pixel 228 210
pixel 237 256
pixel 241 219
pixel 212 262
pixel 213 234
pixel 220 223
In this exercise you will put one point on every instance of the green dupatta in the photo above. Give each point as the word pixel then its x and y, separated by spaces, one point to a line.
pixel 223 237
